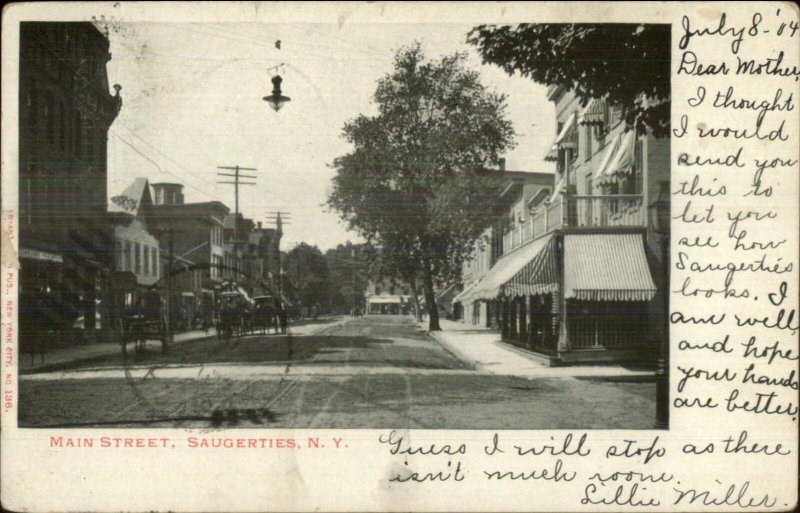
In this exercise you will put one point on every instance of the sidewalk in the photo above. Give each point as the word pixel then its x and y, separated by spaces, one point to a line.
pixel 482 348
pixel 87 351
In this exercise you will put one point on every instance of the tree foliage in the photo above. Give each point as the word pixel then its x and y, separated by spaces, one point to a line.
pixel 415 183
pixel 306 280
pixel 625 62
pixel 348 269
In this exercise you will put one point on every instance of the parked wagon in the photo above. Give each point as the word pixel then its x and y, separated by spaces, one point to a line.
pixel 136 330
pixel 233 315
pixel 265 314
pixel 143 323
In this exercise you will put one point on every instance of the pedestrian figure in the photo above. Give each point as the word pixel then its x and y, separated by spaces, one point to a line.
pixel 282 318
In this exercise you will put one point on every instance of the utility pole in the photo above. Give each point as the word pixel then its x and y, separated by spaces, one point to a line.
pixel 279 218
pixel 236 183
pixel 353 269
pixel 236 180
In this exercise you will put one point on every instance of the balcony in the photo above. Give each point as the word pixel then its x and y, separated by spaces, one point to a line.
pixel 601 212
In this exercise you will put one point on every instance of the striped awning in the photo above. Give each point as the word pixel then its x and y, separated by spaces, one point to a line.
pixel 619 159
pixel 594 113
pixel 514 266
pixel 607 267
pixel 539 276
pixel 567 138
pixel 552 155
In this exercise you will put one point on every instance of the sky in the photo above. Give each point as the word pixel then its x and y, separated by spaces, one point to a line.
pixel 192 100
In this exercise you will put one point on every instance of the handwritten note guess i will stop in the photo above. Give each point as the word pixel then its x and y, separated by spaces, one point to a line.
pixel 733 306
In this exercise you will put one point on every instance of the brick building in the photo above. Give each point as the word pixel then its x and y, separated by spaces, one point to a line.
pixel 66 233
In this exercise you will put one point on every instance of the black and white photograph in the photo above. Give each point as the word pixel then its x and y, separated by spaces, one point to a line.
pixel 388 226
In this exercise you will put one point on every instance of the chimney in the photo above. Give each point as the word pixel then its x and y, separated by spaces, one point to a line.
pixel 501 163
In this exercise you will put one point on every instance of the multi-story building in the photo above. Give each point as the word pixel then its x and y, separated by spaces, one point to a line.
pixel 66 233
pixel 191 243
pixel 521 191
pixel 583 275
pixel 262 258
pixel 136 247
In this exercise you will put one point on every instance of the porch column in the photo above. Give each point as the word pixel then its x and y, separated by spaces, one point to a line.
pixel 528 305
pixel 560 309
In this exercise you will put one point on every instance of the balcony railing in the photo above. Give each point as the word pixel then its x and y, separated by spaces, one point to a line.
pixel 606 211
pixel 617 210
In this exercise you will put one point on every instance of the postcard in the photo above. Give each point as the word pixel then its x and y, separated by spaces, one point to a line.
pixel 400 256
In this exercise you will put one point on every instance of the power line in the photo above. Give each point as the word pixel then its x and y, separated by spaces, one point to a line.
pixel 237 180
pixel 138 151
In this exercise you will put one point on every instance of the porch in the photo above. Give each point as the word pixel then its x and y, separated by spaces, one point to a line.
pixel 570 211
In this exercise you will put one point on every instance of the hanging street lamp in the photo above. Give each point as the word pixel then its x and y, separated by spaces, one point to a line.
pixel 276 100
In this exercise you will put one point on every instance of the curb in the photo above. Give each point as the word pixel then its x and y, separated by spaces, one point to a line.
pixel 457 353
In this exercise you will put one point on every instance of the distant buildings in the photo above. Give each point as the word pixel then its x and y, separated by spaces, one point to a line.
pixel 388 295
pixel 66 235
pixel 194 250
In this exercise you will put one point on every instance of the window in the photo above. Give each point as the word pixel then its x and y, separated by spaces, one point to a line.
pixel 120 255
pixel 146 266
pixel 614 115
pixel 127 249
pixel 588 143
pixel 137 258
pixel 391 290
pixel 154 261
pixel 377 290
pixel 573 154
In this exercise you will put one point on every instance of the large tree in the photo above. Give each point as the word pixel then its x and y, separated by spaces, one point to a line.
pixel 625 62
pixel 415 183
pixel 306 280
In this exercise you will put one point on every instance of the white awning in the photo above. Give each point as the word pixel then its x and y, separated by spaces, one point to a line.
pixel 620 159
pixel 566 138
pixel 464 294
pixel 611 151
pixel 384 300
pixel 36 254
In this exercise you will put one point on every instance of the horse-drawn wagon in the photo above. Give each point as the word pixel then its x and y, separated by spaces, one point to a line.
pixel 145 321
